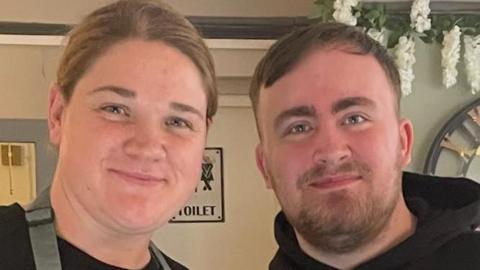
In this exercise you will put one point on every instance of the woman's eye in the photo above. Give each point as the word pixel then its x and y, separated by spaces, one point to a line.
pixel 178 123
pixel 115 109
pixel 354 120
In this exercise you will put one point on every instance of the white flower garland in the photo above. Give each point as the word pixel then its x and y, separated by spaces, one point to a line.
pixel 450 56
pixel 343 11
pixel 419 15
pixel 472 61
pixel 404 54
pixel 379 36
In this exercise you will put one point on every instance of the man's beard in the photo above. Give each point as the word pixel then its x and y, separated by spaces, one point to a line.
pixel 345 221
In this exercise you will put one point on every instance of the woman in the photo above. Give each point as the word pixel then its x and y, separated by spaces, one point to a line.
pixel 129 114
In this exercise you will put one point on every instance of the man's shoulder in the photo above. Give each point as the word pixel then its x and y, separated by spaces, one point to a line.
pixel 461 252
pixel 463 244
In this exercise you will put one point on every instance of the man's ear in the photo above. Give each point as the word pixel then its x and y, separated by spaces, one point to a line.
pixel 406 140
pixel 262 165
pixel 56 107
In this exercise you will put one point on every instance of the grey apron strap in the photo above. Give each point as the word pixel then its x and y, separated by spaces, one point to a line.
pixel 159 257
pixel 43 238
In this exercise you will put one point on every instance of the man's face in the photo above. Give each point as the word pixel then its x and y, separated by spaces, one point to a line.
pixel 131 138
pixel 332 148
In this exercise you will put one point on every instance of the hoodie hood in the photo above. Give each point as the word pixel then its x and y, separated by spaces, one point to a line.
pixel 445 208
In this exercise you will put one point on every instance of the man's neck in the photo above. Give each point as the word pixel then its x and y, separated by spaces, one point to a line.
pixel 76 226
pixel 400 226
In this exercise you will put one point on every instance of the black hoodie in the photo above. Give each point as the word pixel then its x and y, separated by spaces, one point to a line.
pixel 447 210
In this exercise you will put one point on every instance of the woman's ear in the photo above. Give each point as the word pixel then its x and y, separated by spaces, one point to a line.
pixel 56 106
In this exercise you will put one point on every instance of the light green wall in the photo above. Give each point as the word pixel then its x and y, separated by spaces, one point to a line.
pixel 431 105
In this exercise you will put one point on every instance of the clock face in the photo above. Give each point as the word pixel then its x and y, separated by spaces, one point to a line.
pixel 456 149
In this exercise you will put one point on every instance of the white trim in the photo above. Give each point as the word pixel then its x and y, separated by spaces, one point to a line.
pixel 242 101
pixel 249 44
pixel 39 40
pixel 31 40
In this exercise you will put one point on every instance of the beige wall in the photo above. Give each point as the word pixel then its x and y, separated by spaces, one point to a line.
pixel 72 10
pixel 25 75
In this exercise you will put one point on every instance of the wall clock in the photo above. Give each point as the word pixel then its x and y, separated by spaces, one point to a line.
pixel 456 148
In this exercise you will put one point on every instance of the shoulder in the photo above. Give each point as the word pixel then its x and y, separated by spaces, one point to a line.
pixel 14 241
pixel 461 252
pixel 12 218
pixel 174 264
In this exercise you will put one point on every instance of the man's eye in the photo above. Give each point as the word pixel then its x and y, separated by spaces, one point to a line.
pixel 116 109
pixel 299 129
pixel 178 122
pixel 354 120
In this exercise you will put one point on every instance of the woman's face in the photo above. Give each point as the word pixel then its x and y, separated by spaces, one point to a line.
pixel 131 137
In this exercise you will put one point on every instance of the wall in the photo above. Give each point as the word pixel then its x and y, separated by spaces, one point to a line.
pixel 72 11
pixel 431 105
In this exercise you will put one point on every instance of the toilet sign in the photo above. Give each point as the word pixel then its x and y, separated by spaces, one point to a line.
pixel 206 204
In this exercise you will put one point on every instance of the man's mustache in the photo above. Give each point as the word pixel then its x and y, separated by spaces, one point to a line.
pixel 322 170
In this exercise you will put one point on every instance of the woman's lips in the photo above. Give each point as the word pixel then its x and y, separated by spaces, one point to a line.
pixel 138 178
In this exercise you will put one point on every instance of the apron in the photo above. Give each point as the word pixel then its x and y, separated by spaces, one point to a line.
pixel 40 217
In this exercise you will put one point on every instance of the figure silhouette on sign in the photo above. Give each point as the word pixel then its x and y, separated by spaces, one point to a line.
pixel 207 175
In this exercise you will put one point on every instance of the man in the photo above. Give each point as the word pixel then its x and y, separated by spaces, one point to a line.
pixel 129 113
pixel 333 146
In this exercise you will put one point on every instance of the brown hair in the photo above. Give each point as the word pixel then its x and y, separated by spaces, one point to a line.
pixel 288 51
pixel 127 19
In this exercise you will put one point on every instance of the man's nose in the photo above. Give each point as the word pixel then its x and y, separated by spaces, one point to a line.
pixel 331 147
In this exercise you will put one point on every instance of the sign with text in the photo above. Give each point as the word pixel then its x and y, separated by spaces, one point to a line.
pixel 206 204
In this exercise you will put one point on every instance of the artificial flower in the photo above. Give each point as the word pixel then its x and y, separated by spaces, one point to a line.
pixel 404 55
pixel 343 11
pixel 450 56
pixel 419 15
pixel 379 36
pixel 472 61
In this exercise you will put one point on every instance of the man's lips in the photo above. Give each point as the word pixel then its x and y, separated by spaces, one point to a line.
pixel 137 177
pixel 333 181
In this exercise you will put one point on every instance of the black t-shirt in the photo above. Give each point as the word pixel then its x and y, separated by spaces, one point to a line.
pixel 16 252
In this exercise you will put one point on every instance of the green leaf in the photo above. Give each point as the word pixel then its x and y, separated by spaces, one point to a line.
pixel 430 33
pixel 469 32
pixel 446 24
pixel 427 39
pixel 393 39
pixel 459 21
pixel 381 21
pixel 439 38
pixel 372 14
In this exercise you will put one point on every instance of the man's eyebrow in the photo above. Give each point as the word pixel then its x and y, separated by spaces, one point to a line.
pixel 299 111
pixel 121 91
pixel 351 101
pixel 186 108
